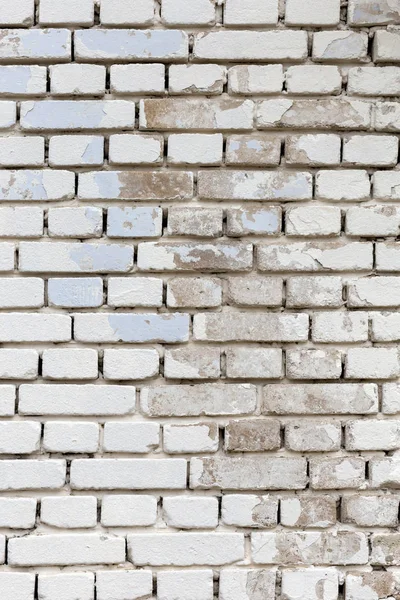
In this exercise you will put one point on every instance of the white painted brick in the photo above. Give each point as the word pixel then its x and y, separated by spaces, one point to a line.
pixel 372 363
pixel 22 80
pixel 137 79
pixel 313 150
pixel 131 437
pixel 254 363
pixel 128 149
pixel 66 12
pixel 18 364
pixel 75 292
pixel 304 583
pixel 128 511
pixel 190 513
pixel 18 586
pixel 386 185
pixel 32 474
pixel 188 12
pixel 27 327
pixel 315 12
pixel 313 364
pixel 190 439
pixel 255 12
pixel 20 12
pixel 198 585
pixel 197 292
pixel 307 79
pixel 371 150
pixel 195 149
pixel 387 256
pixel 343 185
pixel 119 585
pixel 255 79
pixel 185 549
pixel 70 363
pixel 374 221
pixel 7 400
pixel 66 586
pixel 241 584
pixel 77 80
pixel 19 437
pixel 67 549
pixel 386 47
pixel 254 149
pixel 21 151
pixel 340 327
pixel 126 12
pixel 192 363
pixel 7 256
pixel 254 221
pixel 25 185
pixel 72 437
pixel 69 512
pixel 74 400
pixel 360 12
pixel 135 291
pixel 196 79
pixel 27 292
pixel 313 436
pixel 130 364
pixel 313 221
pixel 21 221
pixel 255 291
pixel 74 150
pixel 308 511
pixel 302 292
pixel 79 222
pixel 140 221
pixel 249 510
pixel 338 46
pixel 33 45
pixel 378 81
pixel 17 513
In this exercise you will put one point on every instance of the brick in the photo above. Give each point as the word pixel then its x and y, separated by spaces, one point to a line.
pixel 20 13
pixel 19 437
pixel 32 474
pixel 18 364
pixel 192 363
pixel 340 327
pixel 313 221
pixel 76 151
pixel 254 185
pixel 195 221
pixel 75 292
pixel 315 257
pixel 195 256
pixel 46 185
pixel 337 473
pixel 130 364
pixel 128 474
pixel 118 585
pixel 70 549
pixel 384 549
pixel 378 583
pixel 254 363
pixel 385 327
pixel 338 46
pixel 187 513
pixel 249 510
pixel 77 80
pixel 195 149
pixel 338 186
pixel 390 398
pixel 66 584
pixel 255 79
pixel 386 185
pixel 256 12
pixel 318 13
pixel 387 257
pixel 21 222
pixel 135 291
pixel 378 81
pixel 71 437
pixel 81 222
pixel 372 363
pixel 313 436
pixel 69 512
pixel 385 473
pixel 313 149
pixel 196 113
pixel 308 581
pixel 20 80
pixel 131 437
pixel 7 252
pixel 252 435
pixel 202 399
pixel 27 327
pixel 368 435
pixel 7 400
pixel 196 292
pixel 313 79
pixel 141 221
pixel 17 513
pixel 71 12
pixel 360 12
pixel 22 292
pixel 20 586
pixel 386 46
pixel 255 291
pixel 199 584
pixel 75 400
pixel 196 79
pixel 307 511
pixel 371 511
pixel 128 511
pixel 124 327
pixel 123 12
pixel 387 117
pixel 76 115
pixel 321 398
pixel 35 45
pixel 303 292
pixel 241 584
pixel 21 151
pixel 137 79
pixel 248 473
pixel 70 363
pixel 124 45
pixel 313 364
pixel 251 45
pixel 127 149
pixel 185 549
pixel 374 221
pixel 254 221
pixel 332 113
pixel 191 439
pixel 254 149
pixel 250 327
pixel 138 185
pixel 379 151
pixel 188 12
pixel 308 548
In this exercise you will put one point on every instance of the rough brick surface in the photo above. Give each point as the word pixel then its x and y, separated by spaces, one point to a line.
pixel 199 299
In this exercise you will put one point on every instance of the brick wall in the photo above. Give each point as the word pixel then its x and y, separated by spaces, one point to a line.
pixel 199 294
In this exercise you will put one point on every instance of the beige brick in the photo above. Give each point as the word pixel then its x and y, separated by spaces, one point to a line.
pixel 252 435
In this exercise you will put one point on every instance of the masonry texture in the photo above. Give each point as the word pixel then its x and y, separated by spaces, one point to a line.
pixel 199 299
